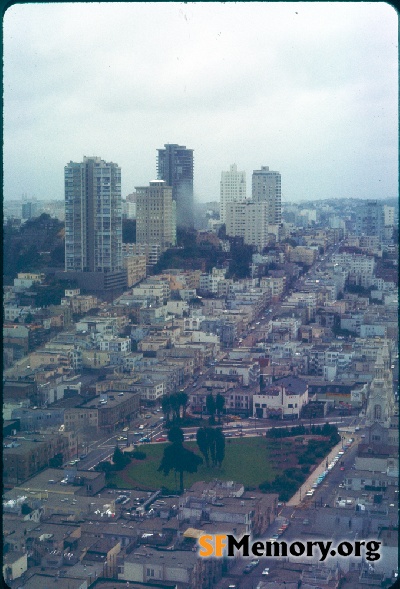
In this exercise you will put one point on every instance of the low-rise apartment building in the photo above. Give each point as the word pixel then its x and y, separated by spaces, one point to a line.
pixel 283 399
pixel 105 411
pixel 24 456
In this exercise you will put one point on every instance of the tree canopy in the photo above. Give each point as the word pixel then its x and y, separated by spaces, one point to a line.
pixel 178 458
pixel 211 443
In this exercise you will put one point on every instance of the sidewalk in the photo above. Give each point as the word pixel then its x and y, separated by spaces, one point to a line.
pixel 301 492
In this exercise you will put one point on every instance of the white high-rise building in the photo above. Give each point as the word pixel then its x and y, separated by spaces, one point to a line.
pixel 389 214
pixel 249 220
pixel 155 215
pixel 93 216
pixel 232 189
pixel 266 187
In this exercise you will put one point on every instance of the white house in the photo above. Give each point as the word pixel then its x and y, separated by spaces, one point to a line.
pixel 283 399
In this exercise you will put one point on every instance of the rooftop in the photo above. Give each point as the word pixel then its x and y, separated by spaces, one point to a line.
pixel 172 558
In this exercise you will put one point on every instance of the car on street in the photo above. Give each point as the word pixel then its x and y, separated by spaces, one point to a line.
pixel 265 571
pixel 161 439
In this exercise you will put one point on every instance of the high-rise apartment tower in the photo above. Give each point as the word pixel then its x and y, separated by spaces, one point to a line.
pixel 155 215
pixel 175 167
pixel 93 217
pixel 266 187
pixel 370 218
pixel 232 189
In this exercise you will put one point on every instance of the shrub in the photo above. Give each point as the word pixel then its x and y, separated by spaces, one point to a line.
pixel 138 455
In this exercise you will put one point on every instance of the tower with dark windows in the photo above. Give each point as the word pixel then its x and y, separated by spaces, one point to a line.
pixel 175 167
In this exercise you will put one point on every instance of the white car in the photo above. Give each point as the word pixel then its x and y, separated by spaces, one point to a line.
pixel 265 571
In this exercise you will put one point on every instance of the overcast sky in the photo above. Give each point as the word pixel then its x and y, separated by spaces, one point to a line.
pixel 308 89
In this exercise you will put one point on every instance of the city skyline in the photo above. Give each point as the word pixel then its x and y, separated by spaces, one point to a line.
pixel 308 88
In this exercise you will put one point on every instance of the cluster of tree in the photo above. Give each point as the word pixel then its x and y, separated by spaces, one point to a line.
pixel 178 458
pixel 285 484
pixel 119 461
pixel 137 454
pixel 215 406
pixel 189 253
pixel 37 244
pixel 192 256
pixel 240 257
pixel 211 443
pixel 51 292
pixel 174 407
pixel 317 449
pixel 358 289
pixel 327 429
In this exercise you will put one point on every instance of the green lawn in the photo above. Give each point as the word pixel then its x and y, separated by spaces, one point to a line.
pixel 246 461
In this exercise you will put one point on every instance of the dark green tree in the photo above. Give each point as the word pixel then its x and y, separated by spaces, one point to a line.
pixel 219 405
pixel 175 407
pixel 183 400
pixel 120 459
pixel 178 458
pixel 203 442
pixel 166 407
pixel 211 443
pixel 25 509
pixel 211 408
pixel 219 441
pixel 175 435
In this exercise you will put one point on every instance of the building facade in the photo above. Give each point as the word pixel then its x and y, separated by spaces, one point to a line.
pixel 175 167
pixel 249 220
pixel 93 222
pixel 266 187
pixel 232 189
pixel 370 218
pixel 155 215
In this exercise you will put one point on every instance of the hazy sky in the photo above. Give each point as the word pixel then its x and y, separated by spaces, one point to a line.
pixel 308 89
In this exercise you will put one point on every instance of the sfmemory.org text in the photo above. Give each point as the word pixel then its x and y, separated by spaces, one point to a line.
pixel 218 545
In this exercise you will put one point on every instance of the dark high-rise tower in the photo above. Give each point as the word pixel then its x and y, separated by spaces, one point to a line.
pixel 175 167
